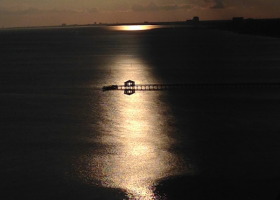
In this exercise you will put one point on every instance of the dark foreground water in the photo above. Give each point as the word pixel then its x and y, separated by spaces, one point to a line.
pixel 63 138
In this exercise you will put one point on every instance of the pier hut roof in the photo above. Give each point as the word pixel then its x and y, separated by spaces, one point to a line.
pixel 129 83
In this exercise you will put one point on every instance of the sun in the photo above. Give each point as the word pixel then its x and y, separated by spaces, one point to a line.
pixel 134 27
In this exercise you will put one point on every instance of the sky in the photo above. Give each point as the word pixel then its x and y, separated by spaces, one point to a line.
pixel 18 13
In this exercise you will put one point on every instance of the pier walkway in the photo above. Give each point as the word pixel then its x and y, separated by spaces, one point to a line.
pixel 130 87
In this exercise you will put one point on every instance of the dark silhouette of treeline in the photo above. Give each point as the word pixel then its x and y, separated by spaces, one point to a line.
pixel 266 27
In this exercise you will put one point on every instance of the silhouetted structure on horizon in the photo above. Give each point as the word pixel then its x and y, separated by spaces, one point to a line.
pixel 193 21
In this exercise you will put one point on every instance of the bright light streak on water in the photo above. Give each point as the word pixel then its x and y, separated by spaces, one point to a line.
pixel 136 134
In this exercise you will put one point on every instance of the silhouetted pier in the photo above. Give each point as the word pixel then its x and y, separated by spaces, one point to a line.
pixel 130 87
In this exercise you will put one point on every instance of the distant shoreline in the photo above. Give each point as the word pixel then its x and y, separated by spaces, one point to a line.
pixel 263 27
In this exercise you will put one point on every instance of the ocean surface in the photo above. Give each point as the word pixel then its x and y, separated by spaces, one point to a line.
pixel 62 137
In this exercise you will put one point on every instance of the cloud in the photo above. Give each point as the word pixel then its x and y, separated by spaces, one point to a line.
pixel 19 11
pixel 92 10
pixel 149 7
pixel 155 7
pixel 216 4
pixel 35 11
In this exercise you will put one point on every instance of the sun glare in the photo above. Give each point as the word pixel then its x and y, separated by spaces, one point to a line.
pixel 134 27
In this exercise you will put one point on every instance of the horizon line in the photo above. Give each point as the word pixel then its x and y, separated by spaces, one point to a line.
pixel 132 23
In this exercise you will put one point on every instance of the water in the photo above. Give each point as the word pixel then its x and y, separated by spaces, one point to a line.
pixel 62 137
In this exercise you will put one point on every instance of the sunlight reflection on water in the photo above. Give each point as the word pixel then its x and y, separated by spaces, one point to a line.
pixel 133 135
pixel 137 136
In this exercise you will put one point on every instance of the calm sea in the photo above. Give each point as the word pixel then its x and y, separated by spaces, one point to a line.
pixel 62 137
